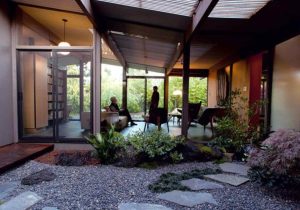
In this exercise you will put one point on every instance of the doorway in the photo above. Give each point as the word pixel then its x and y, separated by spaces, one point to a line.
pixel 54 90
pixel 139 92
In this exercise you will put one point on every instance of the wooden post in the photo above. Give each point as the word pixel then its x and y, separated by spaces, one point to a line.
pixel 185 89
pixel 166 91
pixel 124 90
pixel 96 83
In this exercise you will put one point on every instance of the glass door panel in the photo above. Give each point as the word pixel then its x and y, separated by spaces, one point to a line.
pixel 35 101
pixel 150 84
pixel 136 98
pixel 73 98
pixel 73 86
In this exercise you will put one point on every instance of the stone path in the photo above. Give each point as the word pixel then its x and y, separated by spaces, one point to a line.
pixel 188 199
pixel 235 168
pixel 21 202
pixel 227 178
pixel 49 208
pixel 199 184
pixel 6 188
pixel 141 206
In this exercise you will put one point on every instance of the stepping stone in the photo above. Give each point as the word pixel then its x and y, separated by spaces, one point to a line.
pixel 227 178
pixel 188 199
pixel 141 206
pixel 6 188
pixel 39 177
pixel 235 168
pixel 49 208
pixel 21 202
pixel 200 184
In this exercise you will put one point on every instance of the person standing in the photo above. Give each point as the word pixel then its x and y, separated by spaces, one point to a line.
pixel 154 100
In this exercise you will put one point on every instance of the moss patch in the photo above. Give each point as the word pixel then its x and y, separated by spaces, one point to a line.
pixel 171 181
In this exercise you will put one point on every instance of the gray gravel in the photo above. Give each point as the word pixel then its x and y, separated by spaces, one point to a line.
pixel 104 187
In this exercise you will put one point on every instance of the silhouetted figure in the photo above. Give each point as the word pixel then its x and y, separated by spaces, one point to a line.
pixel 154 100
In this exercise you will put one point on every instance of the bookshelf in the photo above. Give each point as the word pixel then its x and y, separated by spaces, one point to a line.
pixel 60 97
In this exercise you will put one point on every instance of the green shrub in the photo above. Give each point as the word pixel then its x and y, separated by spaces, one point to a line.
pixel 235 130
pixel 107 144
pixel 154 143
pixel 176 157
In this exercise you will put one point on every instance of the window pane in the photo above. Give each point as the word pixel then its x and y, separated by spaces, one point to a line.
pixel 111 84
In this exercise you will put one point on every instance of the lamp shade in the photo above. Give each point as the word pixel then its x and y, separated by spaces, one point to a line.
pixel 177 93
pixel 64 44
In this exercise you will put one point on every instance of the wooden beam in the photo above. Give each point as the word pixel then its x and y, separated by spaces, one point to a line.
pixel 201 13
pixel 185 89
pixel 193 72
pixel 87 8
pixel 124 90
pixel 166 92
pixel 114 47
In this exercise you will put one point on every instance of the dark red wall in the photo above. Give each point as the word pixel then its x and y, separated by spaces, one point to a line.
pixel 255 68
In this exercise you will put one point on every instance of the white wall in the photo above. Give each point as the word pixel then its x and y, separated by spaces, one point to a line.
pixel 6 105
pixel 286 85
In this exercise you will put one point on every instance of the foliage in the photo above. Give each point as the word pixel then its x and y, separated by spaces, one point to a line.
pixel 171 181
pixel 234 130
pixel 107 144
pixel 265 177
pixel 154 143
pixel 73 89
pixel 176 157
pixel 111 83
pixel 197 91
pixel 280 152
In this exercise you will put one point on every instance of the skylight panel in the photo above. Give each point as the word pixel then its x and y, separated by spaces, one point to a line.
pixel 240 9
pixel 178 7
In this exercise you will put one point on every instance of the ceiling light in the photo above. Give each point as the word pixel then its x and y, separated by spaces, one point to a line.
pixel 64 43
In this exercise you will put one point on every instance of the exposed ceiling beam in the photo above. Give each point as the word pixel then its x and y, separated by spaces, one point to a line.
pixel 201 13
pixel 87 7
pixel 114 48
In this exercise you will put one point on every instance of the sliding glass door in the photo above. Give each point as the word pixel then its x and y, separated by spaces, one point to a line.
pixel 139 92
pixel 54 95
pixel 136 102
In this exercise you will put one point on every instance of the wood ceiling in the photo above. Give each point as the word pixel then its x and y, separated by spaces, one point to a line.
pixel 151 38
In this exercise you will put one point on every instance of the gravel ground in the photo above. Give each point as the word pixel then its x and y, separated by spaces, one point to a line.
pixel 104 187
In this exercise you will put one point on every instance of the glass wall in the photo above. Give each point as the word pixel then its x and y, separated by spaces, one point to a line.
pixel 51 97
pixel 111 84
pixel 54 87
pixel 197 91
pixel 37 26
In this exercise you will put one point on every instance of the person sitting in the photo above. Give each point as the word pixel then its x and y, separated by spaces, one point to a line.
pixel 123 112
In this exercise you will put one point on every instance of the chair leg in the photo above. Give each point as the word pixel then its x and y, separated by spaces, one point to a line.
pixel 212 126
pixel 145 126
pixel 168 127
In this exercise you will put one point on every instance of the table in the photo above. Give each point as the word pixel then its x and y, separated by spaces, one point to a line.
pixel 174 114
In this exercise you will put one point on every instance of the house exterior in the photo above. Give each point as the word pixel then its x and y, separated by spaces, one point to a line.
pixel 258 54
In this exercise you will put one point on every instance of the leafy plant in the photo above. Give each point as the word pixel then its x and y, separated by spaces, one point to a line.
pixel 106 144
pixel 176 157
pixel 277 162
pixel 154 143
pixel 234 129
pixel 171 181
